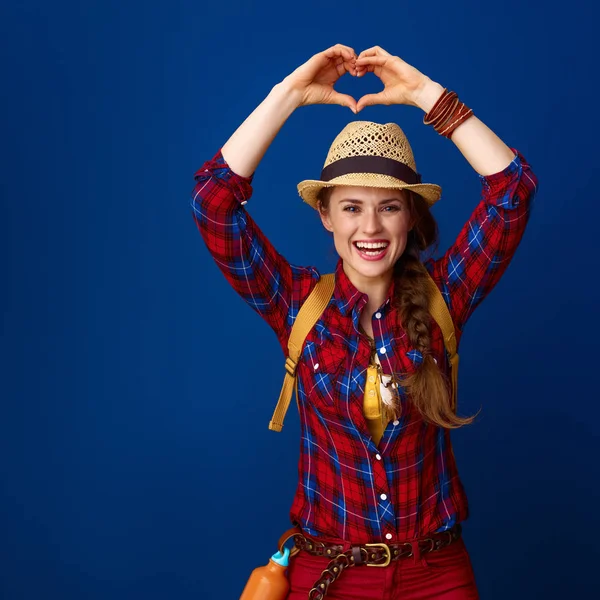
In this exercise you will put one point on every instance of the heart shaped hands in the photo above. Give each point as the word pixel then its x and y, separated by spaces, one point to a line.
pixel 402 82
pixel 314 81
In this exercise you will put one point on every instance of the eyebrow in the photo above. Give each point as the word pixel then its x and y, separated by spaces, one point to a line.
pixel 386 201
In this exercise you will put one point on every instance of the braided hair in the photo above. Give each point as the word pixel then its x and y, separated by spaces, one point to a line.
pixel 427 388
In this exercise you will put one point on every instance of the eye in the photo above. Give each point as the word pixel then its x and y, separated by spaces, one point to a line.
pixel 350 208
pixel 392 208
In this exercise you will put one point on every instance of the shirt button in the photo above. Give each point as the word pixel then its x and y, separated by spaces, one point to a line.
pixel 383 496
pixel 396 423
pixel 378 456
pixel 378 315
pixel 382 350
pixel 435 360
pixel 316 366
pixel 371 392
pixel 371 379
pixel 388 536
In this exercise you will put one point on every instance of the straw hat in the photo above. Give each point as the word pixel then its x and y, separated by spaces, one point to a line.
pixel 368 154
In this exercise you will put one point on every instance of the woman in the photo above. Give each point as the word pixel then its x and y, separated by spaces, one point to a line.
pixel 376 464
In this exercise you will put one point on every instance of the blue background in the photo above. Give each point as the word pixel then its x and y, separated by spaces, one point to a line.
pixel 137 387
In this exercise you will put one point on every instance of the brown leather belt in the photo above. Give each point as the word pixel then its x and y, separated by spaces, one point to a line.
pixel 370 555
pixel 379 554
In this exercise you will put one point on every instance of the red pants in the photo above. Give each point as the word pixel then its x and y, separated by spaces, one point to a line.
pixel 443 575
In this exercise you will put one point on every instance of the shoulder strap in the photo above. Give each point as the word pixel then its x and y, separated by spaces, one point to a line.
pixel 439 311
pixel 308 315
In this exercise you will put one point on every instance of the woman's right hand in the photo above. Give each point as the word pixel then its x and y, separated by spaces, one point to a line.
pixel 311 83
pixel 314 80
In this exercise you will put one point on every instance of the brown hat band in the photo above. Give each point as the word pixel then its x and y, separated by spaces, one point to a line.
pixel 370 164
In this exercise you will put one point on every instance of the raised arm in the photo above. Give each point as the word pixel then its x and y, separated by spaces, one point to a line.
pixel 311 83
pixel 482 148
pixel 404 84
pixel 253 267
pixel 475 262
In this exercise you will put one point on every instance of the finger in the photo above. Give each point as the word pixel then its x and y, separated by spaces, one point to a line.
pixel 321 62
pixel 342 65
pixel 366 61
pixel 340 50
pixel 368 52
pixel 348 49
pixel 342 100
pixel 350 67
pixel 343 60
pixel 371 64
pixel 370 100
pixel 374 51
pixel 362 70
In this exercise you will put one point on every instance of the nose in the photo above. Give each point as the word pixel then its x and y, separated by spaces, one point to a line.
pixel 371 222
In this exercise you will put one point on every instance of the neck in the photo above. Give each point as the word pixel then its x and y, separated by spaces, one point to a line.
pixel 376 288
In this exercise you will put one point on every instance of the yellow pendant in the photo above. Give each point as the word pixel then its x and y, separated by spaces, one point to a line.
pixel 372 401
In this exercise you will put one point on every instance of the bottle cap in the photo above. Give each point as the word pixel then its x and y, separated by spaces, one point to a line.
pixel 281 559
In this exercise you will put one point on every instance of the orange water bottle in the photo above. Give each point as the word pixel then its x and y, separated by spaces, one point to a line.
pixel 269 582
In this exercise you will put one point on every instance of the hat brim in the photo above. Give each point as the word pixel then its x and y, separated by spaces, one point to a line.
pixel 309 188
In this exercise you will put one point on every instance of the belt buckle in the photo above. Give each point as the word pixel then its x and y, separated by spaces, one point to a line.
pixel 384 547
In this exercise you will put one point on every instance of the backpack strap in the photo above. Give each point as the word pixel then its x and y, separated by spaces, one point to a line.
pixel 308 315
pixel 439 311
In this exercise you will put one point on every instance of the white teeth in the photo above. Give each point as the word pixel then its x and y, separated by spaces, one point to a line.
pixel 371 246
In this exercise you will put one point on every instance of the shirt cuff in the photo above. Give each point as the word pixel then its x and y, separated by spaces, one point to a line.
pixel 217 167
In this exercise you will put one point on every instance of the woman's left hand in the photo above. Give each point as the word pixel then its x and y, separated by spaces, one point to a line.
pixel 402 82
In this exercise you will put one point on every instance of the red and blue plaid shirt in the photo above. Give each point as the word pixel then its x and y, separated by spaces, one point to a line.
pixel 349 488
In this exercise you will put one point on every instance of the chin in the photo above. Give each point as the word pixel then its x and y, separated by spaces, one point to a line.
pixel 372 270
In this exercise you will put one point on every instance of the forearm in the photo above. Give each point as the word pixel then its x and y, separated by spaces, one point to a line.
pixel 482 148
pixel 246 147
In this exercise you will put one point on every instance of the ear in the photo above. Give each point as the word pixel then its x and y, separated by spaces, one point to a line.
pixel 325 219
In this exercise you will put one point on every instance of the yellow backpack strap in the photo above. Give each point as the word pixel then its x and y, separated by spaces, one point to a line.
pixel 439 311
pixel 308 315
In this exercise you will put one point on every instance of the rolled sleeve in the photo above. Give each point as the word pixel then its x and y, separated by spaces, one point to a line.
pixel 502 189
pixel 217 167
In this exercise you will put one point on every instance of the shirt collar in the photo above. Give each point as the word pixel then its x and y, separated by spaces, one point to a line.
pixel 347 296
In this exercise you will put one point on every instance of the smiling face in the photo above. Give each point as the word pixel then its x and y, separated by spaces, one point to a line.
pixel 370 229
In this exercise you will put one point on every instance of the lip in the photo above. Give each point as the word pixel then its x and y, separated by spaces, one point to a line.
pixel 375 257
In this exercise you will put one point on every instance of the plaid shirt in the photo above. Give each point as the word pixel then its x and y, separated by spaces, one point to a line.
pixel 349 488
